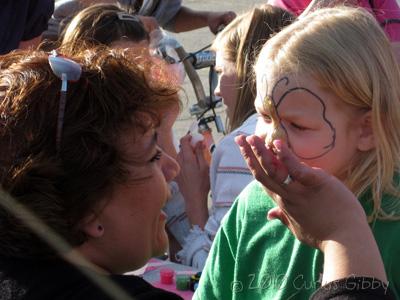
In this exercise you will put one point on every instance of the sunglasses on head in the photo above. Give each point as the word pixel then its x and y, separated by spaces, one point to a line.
pixel 67 70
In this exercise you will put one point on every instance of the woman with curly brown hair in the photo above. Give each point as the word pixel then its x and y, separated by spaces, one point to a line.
pixel 85 161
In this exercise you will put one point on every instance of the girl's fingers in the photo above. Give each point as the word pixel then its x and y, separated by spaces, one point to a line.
pixel 248 155
pixel 199 150
pixel 179 159
pixel 186 149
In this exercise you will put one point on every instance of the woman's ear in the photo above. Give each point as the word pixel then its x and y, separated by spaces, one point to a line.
pixel 366 139
pixel 92 226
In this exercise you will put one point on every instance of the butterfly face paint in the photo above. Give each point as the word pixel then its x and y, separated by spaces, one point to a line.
pixel 278 132
pixel 321 129
pixel 299 116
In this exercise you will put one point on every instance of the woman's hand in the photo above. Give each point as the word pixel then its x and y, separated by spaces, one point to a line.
pixel 318 208
pixel 194 180
pixel 315 206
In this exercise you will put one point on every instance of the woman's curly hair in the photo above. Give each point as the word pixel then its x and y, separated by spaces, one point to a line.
pixel 118 90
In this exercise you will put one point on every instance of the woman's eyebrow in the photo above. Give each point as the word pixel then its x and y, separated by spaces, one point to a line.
pixel 154 140
pixel 147 149
pixel 155 137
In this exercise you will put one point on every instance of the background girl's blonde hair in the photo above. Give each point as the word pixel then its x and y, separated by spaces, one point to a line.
pixel 347 52
pixel 241 42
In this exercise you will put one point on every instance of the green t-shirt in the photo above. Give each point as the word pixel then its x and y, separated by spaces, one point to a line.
pixel 254 258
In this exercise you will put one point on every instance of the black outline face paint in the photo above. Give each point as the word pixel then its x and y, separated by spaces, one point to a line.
pixel 272 106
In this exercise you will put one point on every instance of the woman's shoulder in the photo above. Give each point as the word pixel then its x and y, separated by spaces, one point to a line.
pixel 141 289
pixel 28 276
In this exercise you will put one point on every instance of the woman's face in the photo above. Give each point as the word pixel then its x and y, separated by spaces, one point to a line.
pixel 132 222
pixel 165 133
pixel 227 82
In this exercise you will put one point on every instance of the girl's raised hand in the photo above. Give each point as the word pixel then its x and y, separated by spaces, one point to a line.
pixel 194 180
pixel 314 205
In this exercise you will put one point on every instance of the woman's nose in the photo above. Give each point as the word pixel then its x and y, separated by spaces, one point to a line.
pixel 217 90
pixel 170 167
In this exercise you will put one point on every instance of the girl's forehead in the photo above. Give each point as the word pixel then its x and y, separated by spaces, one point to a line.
pixel 270 84
pixel 287 88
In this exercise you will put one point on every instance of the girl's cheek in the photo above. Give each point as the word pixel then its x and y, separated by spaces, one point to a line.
pixel 303 148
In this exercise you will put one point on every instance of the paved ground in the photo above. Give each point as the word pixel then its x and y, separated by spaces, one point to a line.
pixel 195 40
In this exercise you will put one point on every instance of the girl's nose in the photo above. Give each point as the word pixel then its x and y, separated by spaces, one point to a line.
pixel 278 133
pixel 270 132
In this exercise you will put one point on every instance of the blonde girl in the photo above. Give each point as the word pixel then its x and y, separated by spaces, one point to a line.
pixel 328 88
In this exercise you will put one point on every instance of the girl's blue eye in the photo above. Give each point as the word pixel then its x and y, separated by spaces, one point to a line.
pixel 157 156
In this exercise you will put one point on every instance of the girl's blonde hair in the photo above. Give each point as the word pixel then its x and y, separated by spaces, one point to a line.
pixel 241 42
pixel 347 52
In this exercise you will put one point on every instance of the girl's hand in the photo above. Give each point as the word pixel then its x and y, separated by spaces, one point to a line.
pixel 194 180
pixel 315 206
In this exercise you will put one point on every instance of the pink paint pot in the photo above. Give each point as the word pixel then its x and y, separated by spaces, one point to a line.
pixel 167 276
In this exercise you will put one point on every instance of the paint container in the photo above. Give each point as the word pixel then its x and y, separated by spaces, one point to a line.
pixel 182 282
pixel 167 276
pixel 194 281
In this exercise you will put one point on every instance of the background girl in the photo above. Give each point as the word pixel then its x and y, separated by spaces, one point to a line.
pixel 236 48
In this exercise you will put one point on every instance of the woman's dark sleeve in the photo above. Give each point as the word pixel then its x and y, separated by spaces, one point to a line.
pixel 354 288
pixel 38 15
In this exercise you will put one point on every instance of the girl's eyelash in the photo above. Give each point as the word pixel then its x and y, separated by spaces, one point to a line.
pixel 298 127
pixel 157 156
pixel 266 118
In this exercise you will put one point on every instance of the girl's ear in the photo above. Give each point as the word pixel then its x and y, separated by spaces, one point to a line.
pixel 366 139
pixel 92 226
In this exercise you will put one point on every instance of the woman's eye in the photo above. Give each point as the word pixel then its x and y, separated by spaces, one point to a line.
pixel 157 156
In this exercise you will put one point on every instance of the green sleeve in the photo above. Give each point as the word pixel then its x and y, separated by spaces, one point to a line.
pixel 217 278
